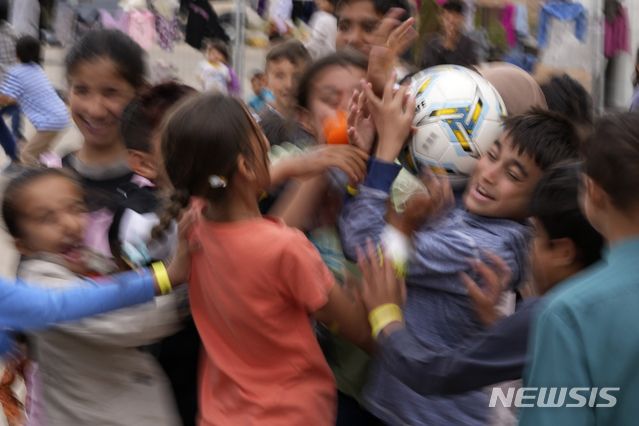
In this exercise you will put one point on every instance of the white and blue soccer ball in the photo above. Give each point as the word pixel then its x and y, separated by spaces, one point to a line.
pixel 458 116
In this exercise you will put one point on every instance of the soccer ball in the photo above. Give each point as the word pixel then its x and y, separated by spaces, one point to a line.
pixel 458 116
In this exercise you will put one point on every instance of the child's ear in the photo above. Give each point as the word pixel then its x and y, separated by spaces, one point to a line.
pixel 564 252
pixel 265 82
pixel 596 194
pixel 21 247
pixel 142 164
pixel 304 119
pixel 244 168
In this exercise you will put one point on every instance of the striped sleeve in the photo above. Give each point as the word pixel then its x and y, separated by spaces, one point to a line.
pixel 12 86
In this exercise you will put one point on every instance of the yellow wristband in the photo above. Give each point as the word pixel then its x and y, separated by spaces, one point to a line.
pixel 383 315
pixel 162 277
pixel 354 192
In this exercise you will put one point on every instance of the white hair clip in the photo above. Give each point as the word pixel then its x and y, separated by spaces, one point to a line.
pixel 217 181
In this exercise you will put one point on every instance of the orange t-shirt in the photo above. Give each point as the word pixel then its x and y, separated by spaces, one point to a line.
pixel 253 286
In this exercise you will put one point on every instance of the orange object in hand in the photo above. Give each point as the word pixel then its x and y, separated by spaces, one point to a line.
pixel 334 129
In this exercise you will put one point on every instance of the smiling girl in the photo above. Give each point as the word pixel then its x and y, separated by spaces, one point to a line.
pixel 105 71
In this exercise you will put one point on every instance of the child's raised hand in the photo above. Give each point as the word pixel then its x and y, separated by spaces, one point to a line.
pixel 429 206
pixel 392 38
pixel 390 24
pixel 361 127
pixel 393 115
pixel 402 37
pixel 497 280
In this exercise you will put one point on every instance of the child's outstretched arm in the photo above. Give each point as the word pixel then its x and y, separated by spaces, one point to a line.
pixel 350 159
pixel 24 308
pixel 346 316
pixel 298 202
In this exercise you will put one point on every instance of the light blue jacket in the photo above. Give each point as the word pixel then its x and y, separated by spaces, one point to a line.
pixel 564 11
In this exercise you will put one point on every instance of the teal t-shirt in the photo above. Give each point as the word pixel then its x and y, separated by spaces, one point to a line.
pixel 587 336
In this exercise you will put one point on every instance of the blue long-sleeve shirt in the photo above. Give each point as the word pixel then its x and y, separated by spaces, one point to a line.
pixel 438 311
pixel 25 308
pixel 492 357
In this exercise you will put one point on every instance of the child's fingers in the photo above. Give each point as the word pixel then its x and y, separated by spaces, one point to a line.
pixel 389 273
pixel 360 153
pixel 492 280
pixel 373 255
pixel 406 37
pixel 363 263
pixel 351 118
pixel 361 106
pixel 390 83
pixel 354 99
pixel 356 158
pixel 399 95
pixel 500 266
pixel 374 103
pixel 473 289
pixel 352 284
pixel 400 33
pixel 390 21
pixel 353 136
pixel 409 112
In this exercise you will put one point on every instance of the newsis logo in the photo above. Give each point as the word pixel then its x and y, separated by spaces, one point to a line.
pixel 554 397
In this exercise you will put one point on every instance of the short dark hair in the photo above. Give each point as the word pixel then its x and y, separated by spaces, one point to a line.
pixel 381 6
pixel 257 74
pixel 144 114
pixel 291 50
pixel 554 203
pixel 454 6
pixel 611 156
pixel 340 59
pixel 4 10
pixel 11 206
pixel 635 79
pixel 114 45
pixel 218 45
pixel 28 50
pixel 567 96
pixel 546 136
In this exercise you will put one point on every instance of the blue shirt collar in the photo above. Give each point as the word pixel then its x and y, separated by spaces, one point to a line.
pixel 622 250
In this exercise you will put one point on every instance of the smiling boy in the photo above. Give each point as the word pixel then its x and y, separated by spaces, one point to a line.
pixel 285 64
pixel 437 310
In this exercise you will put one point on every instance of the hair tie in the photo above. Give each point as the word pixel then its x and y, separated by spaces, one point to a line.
pixel 217 181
